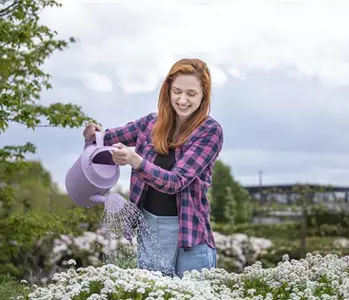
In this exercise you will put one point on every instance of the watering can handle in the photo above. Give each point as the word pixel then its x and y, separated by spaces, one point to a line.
pixel 99 139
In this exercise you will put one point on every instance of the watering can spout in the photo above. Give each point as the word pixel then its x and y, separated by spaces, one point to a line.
pixel 113 202
pixel 98 199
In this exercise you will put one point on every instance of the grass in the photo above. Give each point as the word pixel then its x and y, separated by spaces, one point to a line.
pixel 10 289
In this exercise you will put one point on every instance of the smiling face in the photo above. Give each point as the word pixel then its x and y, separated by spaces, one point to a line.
pixel 186 95
pixel 184 103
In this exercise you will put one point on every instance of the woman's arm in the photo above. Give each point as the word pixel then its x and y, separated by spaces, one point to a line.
pixel 188 167
pixel 126 134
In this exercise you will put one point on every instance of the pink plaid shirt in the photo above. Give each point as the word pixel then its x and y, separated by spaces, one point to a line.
pixel 189 178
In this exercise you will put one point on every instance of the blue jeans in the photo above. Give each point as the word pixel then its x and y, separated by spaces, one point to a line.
pixel 158 248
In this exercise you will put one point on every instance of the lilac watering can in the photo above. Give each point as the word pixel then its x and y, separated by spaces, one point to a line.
pixel 93 174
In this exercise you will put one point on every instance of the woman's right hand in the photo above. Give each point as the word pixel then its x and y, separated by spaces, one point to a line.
pixel 90 130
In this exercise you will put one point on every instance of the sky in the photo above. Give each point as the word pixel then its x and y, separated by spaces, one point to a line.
pixel 280 72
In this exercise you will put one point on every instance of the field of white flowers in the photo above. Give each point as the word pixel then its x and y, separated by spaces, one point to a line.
pixel 315 277
pixel 95 248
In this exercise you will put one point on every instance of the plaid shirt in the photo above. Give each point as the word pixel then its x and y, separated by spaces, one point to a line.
pixel 189 178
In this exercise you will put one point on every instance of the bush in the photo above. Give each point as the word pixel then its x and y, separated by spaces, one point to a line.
pixel 21 256
pixel 311 278
pixel 318 215
pixel 315 227
pixel 269 231
pixel 237 251
pixel 315 245
pixel 10 288
pixel 329 230
pixel 52 253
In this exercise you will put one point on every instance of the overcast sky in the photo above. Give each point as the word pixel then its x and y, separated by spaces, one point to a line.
pixel 280 79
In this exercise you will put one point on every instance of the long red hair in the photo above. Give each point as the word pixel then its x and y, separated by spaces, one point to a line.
pixel 162 133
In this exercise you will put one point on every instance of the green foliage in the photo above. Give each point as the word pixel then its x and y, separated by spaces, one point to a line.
pixel 94 288
pixel 285 239
pixel 227 194
pixel 265 209
pixel 276 231
pixel 25 45
pixel 30 188
pixel 270 231
pixel 328 230
pixel 20 252
pixel 221 182
pixel 230 212
pixel 10 163
pixel 321 221
pixel 30 205
pixel 261 287
pixel 325 288
pixel 11 288
pixel 318 215
pixel 37 211
pixel 290 246
pixel 18 236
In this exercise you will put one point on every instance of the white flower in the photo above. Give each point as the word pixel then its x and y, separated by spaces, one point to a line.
pixel 303 278
pixel 71 262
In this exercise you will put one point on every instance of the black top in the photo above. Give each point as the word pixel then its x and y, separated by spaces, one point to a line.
pixel 157 203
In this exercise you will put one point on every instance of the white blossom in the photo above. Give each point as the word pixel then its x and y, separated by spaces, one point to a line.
pixel 290 279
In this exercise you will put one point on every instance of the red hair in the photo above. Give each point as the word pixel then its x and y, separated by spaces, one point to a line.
pixel 164 127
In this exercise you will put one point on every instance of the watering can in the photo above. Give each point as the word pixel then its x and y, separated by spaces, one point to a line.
pixel 93 174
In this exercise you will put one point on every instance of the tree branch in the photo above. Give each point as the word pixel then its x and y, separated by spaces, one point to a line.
pixel 7 10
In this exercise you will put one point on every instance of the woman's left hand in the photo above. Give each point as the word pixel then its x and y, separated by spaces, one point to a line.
pixel 123 156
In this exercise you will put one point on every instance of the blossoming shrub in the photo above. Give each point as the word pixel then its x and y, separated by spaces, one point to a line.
pixel 237 251
pixel 89 248
pixel 95 248
pixel 315 277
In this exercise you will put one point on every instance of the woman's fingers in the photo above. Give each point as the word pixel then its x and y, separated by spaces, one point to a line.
pixel 119 146
pixel 90 130
pixel 120 154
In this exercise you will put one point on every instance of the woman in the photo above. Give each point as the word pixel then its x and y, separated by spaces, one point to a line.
pixel 172 165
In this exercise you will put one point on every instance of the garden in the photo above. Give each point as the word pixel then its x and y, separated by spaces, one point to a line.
pixel 52 249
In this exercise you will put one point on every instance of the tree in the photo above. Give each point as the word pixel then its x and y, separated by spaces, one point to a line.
pixel 25 44
pixel 221 180
pixel 35 190
pixel 228 194
pixel 230 211
pixel 243 202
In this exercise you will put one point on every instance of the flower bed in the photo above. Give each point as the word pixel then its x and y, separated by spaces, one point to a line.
pixel 94 248
pixel 314 277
